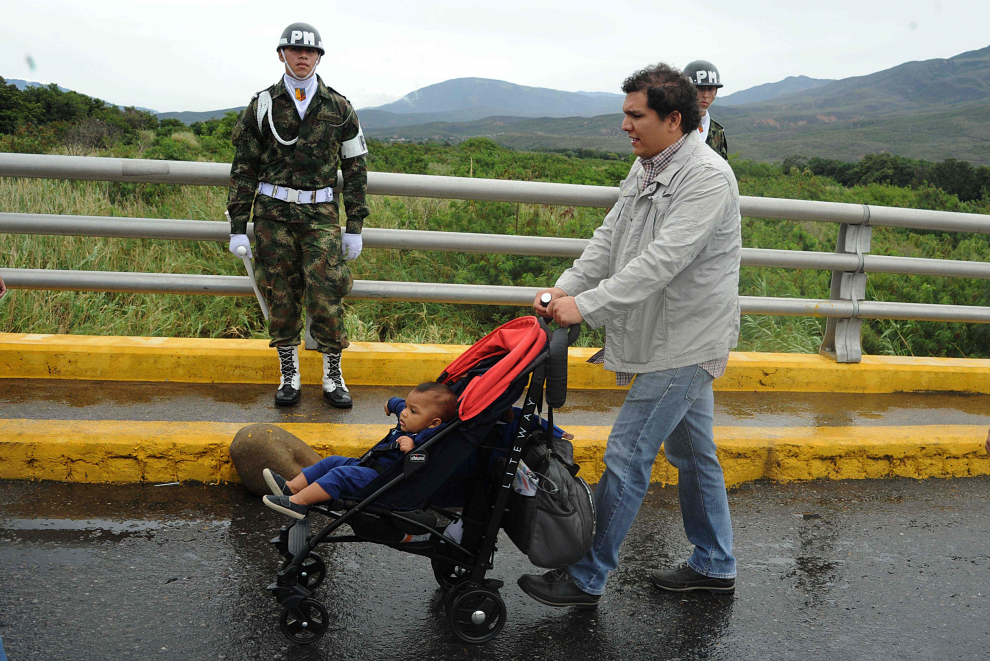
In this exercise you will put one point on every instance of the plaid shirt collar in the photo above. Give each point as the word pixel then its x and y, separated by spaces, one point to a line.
pixel 654 166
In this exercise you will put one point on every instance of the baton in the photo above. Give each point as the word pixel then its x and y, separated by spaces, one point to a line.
pixel 242 252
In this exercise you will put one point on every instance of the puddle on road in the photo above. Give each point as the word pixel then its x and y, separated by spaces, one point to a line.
pixel 105 525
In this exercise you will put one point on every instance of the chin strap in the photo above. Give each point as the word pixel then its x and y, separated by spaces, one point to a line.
pixel 292 74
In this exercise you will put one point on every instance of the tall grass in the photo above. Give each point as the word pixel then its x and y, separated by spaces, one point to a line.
pixel 214 316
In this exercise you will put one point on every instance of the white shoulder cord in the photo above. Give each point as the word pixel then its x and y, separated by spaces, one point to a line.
pixel 265 108
pixel 351 148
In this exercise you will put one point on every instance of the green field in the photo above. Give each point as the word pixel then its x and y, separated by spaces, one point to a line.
pixel 203 316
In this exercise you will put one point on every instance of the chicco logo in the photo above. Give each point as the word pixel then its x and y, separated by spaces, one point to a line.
pixel 417 458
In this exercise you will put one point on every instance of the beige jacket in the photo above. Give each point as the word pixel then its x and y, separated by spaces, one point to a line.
pixel 662 272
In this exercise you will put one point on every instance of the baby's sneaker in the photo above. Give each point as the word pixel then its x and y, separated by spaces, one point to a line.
pixel 276 483
pixel 285 506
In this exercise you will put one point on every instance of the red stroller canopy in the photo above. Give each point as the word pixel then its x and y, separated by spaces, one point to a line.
pixel 520 341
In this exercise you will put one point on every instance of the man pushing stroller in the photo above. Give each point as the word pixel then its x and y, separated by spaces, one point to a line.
pixel 424 411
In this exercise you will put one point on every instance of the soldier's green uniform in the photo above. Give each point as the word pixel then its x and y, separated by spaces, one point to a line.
pixel 716 139
pixel 298 245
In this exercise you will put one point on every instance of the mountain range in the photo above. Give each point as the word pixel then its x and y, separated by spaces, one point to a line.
pixel 24 84
pixel 931 109
pixel 471 99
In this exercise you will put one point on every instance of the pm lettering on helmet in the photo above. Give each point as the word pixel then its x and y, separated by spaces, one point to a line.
pixel 712 76
pixel 702 75
pixel 307 38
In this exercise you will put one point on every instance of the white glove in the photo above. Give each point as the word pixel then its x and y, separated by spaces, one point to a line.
pixel 351 246
pixel 240 241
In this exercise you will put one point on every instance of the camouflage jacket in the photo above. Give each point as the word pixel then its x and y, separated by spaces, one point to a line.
pixel 716 139
pixel 309 164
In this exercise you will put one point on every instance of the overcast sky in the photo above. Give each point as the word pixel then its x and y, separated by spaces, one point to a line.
pixel 210 54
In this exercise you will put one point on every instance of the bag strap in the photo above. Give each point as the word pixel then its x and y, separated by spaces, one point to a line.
pixel 534 402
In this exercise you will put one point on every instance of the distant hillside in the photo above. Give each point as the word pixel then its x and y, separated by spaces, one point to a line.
pixel 24 84
pixel 934 109
pixel 466 99
pixel 190 117
pixel 769 91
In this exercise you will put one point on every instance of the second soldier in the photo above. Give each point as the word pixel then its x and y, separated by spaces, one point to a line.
pixel 707 81
pixel 290 141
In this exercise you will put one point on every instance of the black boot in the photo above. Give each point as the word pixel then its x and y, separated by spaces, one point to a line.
pixel 290 383
pixel 334 389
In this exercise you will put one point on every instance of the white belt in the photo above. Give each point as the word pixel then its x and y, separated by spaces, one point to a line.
pixel 296 196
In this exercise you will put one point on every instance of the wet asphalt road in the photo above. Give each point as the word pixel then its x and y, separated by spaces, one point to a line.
pixel 108 400
pixel 830 570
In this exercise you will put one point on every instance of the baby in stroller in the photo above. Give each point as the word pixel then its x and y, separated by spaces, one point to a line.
pixel 424 412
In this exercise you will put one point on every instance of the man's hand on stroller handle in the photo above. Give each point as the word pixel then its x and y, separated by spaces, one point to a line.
pixel 565 311
pixel 540 303
pixel 405 443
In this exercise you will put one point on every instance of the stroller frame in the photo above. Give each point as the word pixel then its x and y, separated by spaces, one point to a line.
pixel 473 605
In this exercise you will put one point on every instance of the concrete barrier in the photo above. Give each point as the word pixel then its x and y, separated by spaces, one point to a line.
pixel 156 452
pixel 136 451
pixel 191 360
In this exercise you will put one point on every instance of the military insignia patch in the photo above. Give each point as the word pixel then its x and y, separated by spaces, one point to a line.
pixel 300 94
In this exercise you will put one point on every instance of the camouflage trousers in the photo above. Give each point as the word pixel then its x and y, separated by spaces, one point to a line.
pixel 301 263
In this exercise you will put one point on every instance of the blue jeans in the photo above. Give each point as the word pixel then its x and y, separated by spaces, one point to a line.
pixel 339 476
pixel 677 407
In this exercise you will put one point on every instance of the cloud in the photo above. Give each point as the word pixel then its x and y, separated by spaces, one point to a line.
pixel 209 54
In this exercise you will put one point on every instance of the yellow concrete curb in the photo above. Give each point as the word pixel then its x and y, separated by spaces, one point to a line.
pixel 136 451
pixel 191 360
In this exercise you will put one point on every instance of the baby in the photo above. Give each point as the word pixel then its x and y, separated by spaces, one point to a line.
pixel 421 414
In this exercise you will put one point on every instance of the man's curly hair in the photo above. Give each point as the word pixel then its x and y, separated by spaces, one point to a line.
pixel 667 90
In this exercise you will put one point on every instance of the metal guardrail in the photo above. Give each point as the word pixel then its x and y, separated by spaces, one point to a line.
pixel 505 244
pixel 849 264
pixel 91 168
pixel 430 292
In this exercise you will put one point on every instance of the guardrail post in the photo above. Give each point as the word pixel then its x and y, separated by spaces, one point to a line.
pixel 842 339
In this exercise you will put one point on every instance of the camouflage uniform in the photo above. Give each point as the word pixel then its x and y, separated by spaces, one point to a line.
pixel 716 139
pixel 298 246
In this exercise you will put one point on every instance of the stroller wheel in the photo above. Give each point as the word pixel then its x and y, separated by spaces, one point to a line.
pixel 447 574
pixel 306 623
pixel 312 571
pixel 476 614
pixel 453 594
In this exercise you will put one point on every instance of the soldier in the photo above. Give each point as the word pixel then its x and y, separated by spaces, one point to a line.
pixel 707 80
pixel 290 140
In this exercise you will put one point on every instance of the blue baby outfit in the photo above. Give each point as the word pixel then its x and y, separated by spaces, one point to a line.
pixel 345 476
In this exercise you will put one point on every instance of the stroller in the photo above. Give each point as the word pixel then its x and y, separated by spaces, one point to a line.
pixel 468 465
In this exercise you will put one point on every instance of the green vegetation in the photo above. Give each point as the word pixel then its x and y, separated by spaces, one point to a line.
pixel 195 316
pixel 959 178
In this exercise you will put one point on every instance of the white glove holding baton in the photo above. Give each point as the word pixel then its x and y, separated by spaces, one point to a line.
pixel 240 245
pixel 350 246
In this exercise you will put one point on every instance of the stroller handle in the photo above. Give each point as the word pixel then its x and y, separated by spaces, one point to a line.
pixel 573 331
